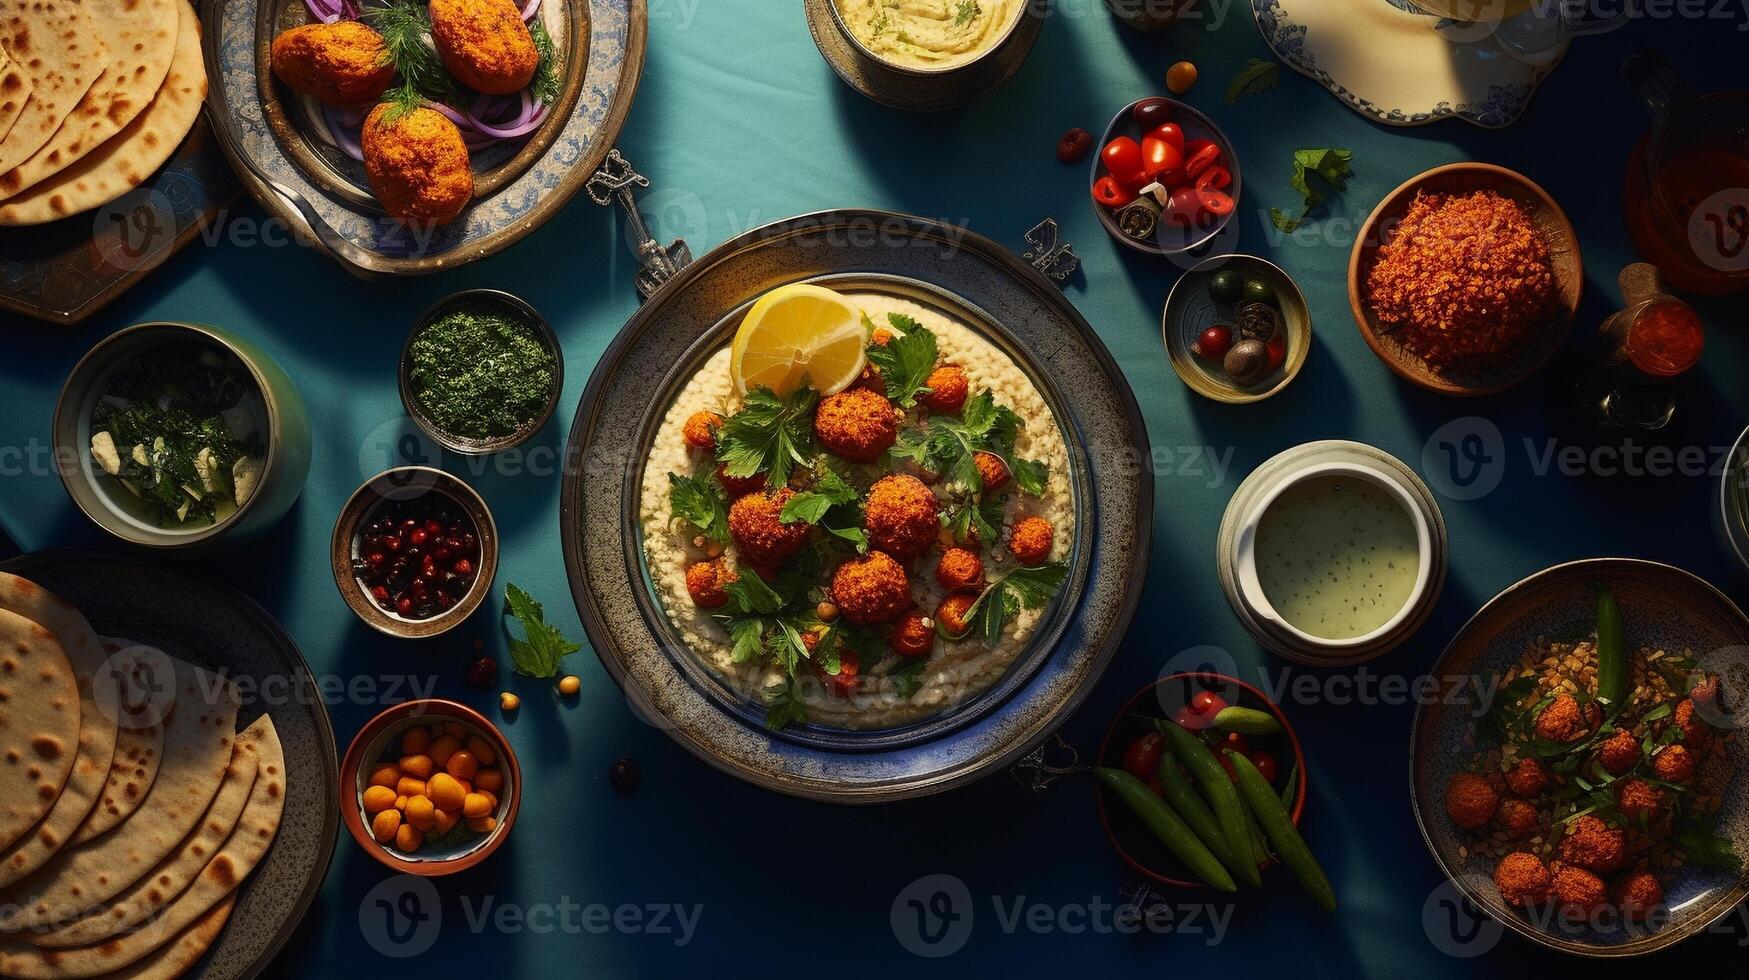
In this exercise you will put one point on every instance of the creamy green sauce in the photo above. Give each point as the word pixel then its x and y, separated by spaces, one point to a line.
pixel 1337 556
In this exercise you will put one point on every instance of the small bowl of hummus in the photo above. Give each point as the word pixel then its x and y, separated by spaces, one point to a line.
pixel 928 37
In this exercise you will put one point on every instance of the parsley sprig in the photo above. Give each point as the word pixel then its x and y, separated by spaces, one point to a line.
pixel 948 445
pixel 1007 595
pixel 829 501
pixel 701 502
pixel 905 360
pixel 1331 165
pixel 772 434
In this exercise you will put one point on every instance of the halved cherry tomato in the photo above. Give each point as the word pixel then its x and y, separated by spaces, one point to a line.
pixel 1277 348
pixel 1107 191
pixel 1190 721
pixel 1123 161
pixel 1074 144
pixel 1265 764
pixel 843 683
pixel 1204 158
pixel 1207 703
pixel 1183 206
pixel 1160 156
pixel 1216 203
pixel 1215 178
pixel 1142 758
pixel 1170 133
pixel 1233 741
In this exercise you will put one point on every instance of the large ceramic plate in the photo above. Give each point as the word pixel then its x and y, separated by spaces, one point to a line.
pixel 1011 304
pixel 1662 607
pixel 520 196
pixel 224 631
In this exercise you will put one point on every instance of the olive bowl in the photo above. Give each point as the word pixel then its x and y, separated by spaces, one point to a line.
pixel 1192 307
pixel 378 742
pixel 100 497
pixel 406 483
pixel 515 307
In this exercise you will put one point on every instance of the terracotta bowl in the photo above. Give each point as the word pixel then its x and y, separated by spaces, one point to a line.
pixel 379 741
pixel 1549 219
pixel 1137 845
pixel 410 483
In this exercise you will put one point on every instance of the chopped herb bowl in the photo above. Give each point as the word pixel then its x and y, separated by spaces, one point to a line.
pixel 509 371
pixel 357 554
pixel 215 458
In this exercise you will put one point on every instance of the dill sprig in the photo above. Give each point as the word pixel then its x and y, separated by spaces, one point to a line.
pixel 404 26
pixel 545 86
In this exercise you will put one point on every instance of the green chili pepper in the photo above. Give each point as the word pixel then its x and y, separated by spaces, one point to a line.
pixel 1201 765
pixel 1289 845
pixel 1612 654
pixel 1246 721
pixel 1183 799
pixel 1291 788
pixel 1168 826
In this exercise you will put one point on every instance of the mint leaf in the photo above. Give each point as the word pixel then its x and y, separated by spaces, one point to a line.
pixel 1258 76
pixel 539 653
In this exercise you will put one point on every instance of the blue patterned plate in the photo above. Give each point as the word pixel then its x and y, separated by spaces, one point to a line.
pixel 1662 607
pixel 235 31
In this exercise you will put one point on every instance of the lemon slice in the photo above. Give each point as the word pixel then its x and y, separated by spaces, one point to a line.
pixel 795 335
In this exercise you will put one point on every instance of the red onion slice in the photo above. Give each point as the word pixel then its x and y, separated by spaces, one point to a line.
pixel 326 11
pixel 345 132
pixel 526 118
pixel 528 9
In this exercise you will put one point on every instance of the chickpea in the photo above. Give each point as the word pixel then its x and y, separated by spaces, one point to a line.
pixel 400 803
pixel 570 684
pixel 408 786
pixel 455 730
pixel 476 805
pixel 446 793
pixel 489 781
pixel 509 702
pixel 378 798
pixel 462 765
pixel 384 825
pixel 446 822
pixel 408 839
pixel 385 775
pixel 415 741
pixel 418 766
pixel 442 748
pixel 491 798
pixel 482 750
pixel 826 611
pixel 482 825
pixel 421 813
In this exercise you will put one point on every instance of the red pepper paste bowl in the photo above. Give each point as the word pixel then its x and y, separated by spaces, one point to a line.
pixel 1166 698
pixel 1184 225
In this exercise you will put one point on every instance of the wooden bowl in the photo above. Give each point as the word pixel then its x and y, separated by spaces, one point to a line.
pixel 1550 220
pixel 1138 847
pixel 379 739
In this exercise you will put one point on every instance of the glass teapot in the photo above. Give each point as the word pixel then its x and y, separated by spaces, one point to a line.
pixel 1532 31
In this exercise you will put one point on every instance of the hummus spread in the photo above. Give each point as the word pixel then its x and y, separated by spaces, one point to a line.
pixel 929 34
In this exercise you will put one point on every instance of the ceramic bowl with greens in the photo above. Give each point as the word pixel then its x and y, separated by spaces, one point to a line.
pixel 179 436
pixel 481 372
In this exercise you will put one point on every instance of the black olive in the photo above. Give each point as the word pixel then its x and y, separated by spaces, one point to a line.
pixel 624 775
pixel 482 673
pixel 1258 321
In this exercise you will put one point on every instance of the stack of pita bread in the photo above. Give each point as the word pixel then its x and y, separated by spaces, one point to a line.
pixel 130 808
pixel 94 96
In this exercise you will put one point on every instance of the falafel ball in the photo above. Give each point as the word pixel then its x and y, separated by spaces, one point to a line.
pixel 856 424
pixel 1639 895
pixel 1673 764
pixel 1562 721
pixel 740 486
pixel 1517 818
pixel 913 635
pixel 1523 879
pixel 1528 778
pixel 950 614
pixel 871 589
pixel 1619 752
pixel 1579 892
pixel 417 164
pixel 1638 799
pixel 700 430
pixel 1591 844
pixel 992 472
pixel 708 581
pixel 960 569
pixel 1031 541
pixel 902 516
pixel 485 44
pixel 1694 730
pixel 343 63
pixel 756 525
pixel 948 388
pixel 1470 801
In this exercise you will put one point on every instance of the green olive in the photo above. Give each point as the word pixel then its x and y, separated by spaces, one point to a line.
pixel 1259 291
pixel 1226 285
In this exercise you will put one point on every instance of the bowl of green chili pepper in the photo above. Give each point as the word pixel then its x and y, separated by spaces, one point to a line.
pixel 481 372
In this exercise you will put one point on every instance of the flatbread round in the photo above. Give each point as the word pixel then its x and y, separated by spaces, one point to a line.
pixel 140 36
pixel 128 158
pixel 39 724
pixel 139 749
pixel 197 751
pixel 56 44
pixel 248 844
pixel 96 726
pixel 160 886
pixel 14 92
pixel 174 959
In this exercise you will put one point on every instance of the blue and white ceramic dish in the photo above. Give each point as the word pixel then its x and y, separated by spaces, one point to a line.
pixel 234 30
pixel 1662 607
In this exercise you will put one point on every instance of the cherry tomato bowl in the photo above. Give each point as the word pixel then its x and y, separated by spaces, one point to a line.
pixel 1210 199
pixel 1195 695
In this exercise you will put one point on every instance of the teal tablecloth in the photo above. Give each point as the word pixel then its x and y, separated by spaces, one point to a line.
pixel 738 121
